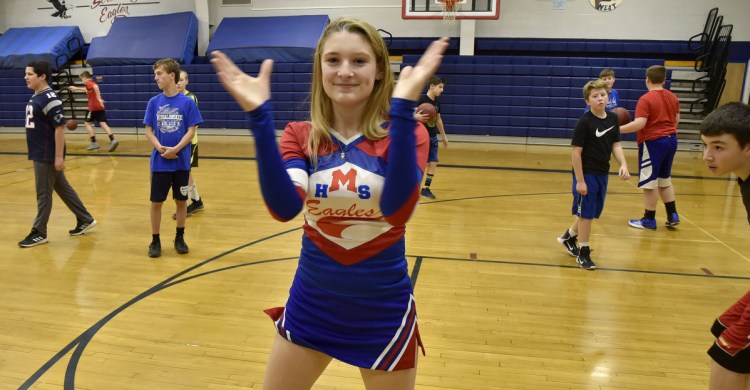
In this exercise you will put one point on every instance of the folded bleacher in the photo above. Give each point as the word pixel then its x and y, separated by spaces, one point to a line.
pixel 289 40
pixel 140 40
pixel 280 38
pixel 55 45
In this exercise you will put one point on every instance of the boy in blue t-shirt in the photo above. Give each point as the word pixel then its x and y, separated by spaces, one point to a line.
pixel 170 121
pixel 608 76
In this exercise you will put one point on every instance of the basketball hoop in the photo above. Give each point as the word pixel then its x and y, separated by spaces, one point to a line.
pixel 450 10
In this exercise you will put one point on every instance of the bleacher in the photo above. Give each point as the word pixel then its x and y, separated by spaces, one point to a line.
pixel 528 96
pixel 675 50
pixel 532 90
pixel 14 94
pixel 127 89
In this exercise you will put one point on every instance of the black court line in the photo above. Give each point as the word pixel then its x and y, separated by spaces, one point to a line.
pixel 598 269
pixel 457 166
pixel 82 340
pixel 415 271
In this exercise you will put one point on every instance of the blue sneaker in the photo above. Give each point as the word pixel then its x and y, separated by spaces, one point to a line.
pixel 427 193
pixel 672 220
pixel 643 223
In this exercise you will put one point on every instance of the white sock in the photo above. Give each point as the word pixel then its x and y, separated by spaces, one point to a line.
pixel 572 232
pixel 194 193
pixel 584 244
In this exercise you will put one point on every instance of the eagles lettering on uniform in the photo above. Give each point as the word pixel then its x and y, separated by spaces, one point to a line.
pixel 43 109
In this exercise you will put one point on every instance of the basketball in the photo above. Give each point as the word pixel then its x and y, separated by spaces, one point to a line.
pixel 71 124
pixel 429 110
pixel 622 115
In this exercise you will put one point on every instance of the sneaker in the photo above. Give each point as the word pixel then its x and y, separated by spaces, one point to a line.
pixel 674 220
pixel 195 206
pixel 584 259
pixel 93 146
pixel 570 243
pixel 154 249
pixel 427 193
pixel 113 145
pixel 33 239
pixel 643 223
pixel 82 227
pixel 180 245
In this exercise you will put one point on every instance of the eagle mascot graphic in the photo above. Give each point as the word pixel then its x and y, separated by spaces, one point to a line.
pixel 61 10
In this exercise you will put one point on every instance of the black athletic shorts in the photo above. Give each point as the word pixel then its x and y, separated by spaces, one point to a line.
pixel 739 363
pixel 162 182
pixel 98 116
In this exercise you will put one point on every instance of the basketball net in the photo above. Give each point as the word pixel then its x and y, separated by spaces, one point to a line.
pixel 450 10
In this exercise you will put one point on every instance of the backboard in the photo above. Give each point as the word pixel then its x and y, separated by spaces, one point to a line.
pixel 432 9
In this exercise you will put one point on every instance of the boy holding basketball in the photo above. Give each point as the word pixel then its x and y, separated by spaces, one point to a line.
pixel 595 137
pixel 96 111
pixel 608 76
pixel 726 137
pixel 434 90
pixel 656 116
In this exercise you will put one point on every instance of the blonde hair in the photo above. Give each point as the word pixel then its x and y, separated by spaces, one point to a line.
pixel 378 105
pixel 592 85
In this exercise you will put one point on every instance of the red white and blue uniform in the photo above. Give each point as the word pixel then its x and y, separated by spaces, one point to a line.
pixel 351 297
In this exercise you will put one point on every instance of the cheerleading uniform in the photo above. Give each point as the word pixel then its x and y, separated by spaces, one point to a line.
pixel 351 297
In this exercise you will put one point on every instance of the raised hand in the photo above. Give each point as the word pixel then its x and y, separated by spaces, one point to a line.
pixel 249 92
pixel 411 80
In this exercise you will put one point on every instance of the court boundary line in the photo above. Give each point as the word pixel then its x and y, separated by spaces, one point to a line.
pixel 455 166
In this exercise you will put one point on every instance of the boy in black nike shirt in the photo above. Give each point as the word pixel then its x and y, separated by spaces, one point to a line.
pixel 595 137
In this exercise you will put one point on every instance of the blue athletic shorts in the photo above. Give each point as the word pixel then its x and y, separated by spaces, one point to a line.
pixel 161 182
pixel 432 155
pixel 590 206
pixel 655 162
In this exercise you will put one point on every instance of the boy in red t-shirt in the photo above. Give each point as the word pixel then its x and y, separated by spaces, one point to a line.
pixel 96 111
pixel 656 118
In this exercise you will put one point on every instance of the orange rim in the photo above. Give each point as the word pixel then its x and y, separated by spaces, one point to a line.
pixel 450 5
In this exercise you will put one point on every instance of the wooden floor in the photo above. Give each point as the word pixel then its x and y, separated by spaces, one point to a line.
pixel 501 304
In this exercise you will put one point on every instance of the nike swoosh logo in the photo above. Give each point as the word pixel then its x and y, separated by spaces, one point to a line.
pixel 601 133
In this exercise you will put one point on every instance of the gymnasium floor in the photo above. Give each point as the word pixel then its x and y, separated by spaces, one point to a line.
pixel 501 305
